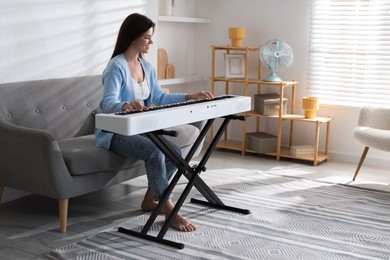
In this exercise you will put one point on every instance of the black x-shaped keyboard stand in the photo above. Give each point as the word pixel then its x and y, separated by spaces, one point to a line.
pixel 193 176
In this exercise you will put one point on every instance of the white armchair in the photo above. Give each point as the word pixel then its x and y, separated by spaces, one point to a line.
pixel 373 130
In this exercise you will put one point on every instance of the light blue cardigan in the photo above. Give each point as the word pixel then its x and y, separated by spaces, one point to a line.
pixel 118 89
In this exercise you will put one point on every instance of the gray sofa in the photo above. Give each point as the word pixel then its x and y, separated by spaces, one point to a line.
pixel 47 146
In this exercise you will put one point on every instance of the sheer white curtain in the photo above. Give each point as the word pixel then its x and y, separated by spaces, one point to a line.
pixel 349 53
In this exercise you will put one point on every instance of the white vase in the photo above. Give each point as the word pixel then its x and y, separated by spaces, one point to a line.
pixel 167 7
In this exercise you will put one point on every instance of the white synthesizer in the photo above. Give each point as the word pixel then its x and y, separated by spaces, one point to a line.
pixel 138 122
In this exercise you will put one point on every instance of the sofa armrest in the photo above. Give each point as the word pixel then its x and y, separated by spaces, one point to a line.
pixel 186 136
pixel 199 124
pixel 30 160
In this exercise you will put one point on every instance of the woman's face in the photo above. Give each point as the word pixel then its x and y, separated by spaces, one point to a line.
pixel 142 44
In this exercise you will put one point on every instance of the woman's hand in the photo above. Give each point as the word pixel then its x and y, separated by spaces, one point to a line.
pixel 133 106
pixel 199 95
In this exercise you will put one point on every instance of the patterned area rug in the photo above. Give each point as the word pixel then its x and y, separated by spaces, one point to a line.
pixel 291 218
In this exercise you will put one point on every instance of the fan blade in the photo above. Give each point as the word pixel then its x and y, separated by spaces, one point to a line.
pixel 278 46
pixel 267 52
pixel 286 52
pixel 285 61
pixel 273 64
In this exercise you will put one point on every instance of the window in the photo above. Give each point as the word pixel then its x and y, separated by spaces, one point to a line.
pixel 349 52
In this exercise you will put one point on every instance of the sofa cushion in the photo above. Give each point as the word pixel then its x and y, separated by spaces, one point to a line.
pixel 83 157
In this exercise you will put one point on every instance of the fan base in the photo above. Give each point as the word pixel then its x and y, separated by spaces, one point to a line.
pixel 272 77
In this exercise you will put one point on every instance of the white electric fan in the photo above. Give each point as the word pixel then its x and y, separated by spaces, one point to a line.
pixel 275 55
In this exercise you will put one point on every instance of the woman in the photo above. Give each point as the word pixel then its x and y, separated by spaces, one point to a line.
pixel 130 83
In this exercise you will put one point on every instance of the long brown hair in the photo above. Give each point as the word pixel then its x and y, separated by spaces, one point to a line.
pixel 132 27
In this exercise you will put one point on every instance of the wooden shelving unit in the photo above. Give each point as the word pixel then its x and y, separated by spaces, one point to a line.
pixel 316 157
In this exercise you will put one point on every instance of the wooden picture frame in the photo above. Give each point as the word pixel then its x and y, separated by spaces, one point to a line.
pixel 234 65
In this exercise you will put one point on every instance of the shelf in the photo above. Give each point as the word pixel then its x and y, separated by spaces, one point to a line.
pixel 256 81
pixel 230 48
pixel 285 153
pixel 230 144
pixel 181 80
pixel 169 23
pixel 292 117
pixel 178 19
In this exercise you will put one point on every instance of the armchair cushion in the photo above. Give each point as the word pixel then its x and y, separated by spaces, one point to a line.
pixel 372 137
pixel 373 129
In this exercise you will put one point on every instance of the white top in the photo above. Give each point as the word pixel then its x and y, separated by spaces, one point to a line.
pixel 141 90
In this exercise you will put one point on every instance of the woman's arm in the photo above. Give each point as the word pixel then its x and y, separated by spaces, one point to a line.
pixel 116 93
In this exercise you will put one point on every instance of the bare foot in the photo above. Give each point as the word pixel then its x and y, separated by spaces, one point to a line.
pixel 178 223
pixel 182 224
pixel 148 204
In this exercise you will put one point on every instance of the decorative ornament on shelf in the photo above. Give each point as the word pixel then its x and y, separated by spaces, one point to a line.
pixel 236 36
pixel 310 105
pixel 165 70
pixel 275 55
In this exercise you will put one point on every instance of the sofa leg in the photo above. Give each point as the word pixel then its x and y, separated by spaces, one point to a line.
pixel 63 208
pixel 360 162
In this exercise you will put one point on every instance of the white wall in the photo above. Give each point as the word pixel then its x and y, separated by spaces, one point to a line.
pixel 287 20
pixel 57 38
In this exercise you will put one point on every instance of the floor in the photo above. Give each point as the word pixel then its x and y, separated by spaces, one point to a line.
pixel 29 225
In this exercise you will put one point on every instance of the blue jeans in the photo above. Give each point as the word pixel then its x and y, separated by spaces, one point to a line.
pixel 159 169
